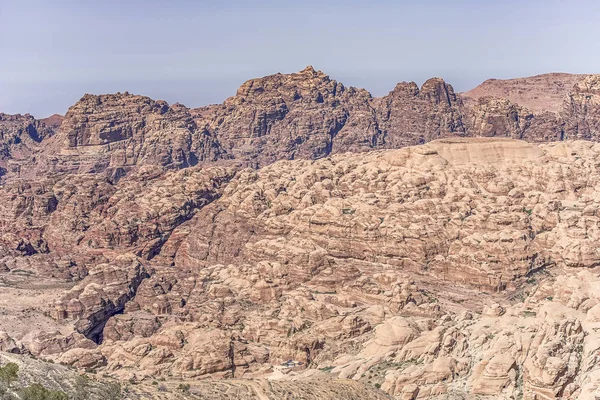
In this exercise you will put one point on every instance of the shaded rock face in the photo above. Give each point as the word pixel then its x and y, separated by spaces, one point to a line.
pixel 409 115
pixel 280 116
pixel 20 136
pixel 24 129
pixel 87 212
pixel 496 117
pixel 582 108
pixel 301 115
pixel 104 293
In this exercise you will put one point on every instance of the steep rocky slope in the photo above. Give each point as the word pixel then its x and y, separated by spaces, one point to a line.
pixel 288 116
pixel 299 115
pixel 20 136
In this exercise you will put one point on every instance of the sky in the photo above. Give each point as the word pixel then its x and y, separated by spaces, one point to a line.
pixel 199 52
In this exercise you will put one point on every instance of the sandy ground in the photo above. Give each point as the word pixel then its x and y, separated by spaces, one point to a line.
pixel 25 303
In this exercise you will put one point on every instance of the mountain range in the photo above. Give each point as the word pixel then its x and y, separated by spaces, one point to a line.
pixel 307 239
pixel 299 115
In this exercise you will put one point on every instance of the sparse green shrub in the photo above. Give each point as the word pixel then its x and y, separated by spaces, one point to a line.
pixel 113 391
pixel 39 392
pixel 184 387
pixel 9 373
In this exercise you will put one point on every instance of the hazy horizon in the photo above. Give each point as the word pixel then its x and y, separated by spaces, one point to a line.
pixel 199 53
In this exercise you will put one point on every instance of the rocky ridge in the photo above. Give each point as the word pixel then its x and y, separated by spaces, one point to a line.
pixel 540 93
pixel 290 116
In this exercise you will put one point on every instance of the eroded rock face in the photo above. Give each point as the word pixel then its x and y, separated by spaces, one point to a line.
pixel 409 115
pixel 20 136
pixel 102 294
pixel 497 117
pixel 289 116
pixel 581 109
pixel 301 115
pixel 111 133
pixel 454 209
pixel 81 215
pixel 540 93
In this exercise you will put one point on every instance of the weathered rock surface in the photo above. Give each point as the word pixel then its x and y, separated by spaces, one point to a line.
pixel 20 136
pixel 89 386
pixel 448 269
pixel 115 132
pixel 409 115
pixel 246 240
pixel 289 116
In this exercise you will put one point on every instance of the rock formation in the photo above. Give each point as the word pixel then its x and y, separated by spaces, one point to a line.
pixel 295 232
pixel 289 116
pixel 20 136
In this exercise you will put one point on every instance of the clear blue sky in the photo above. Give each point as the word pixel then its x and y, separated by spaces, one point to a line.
pixel 199 52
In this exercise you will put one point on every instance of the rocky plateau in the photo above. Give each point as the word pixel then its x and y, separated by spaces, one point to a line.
pixel 307 240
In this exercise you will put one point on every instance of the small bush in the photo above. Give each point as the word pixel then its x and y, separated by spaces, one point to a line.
pixel 113 391
pixel 184 387
pixel 38 392
pixel 9 373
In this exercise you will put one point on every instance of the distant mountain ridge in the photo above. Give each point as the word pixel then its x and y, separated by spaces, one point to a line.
pixel 538 93
pixel 287 116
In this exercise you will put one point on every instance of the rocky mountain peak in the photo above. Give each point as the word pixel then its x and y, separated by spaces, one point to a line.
pixel 53 121
pixel 309 70
pixel 438 91
pixel 405 89
pixel 107 118
pixel 308 85
pixel 434 89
